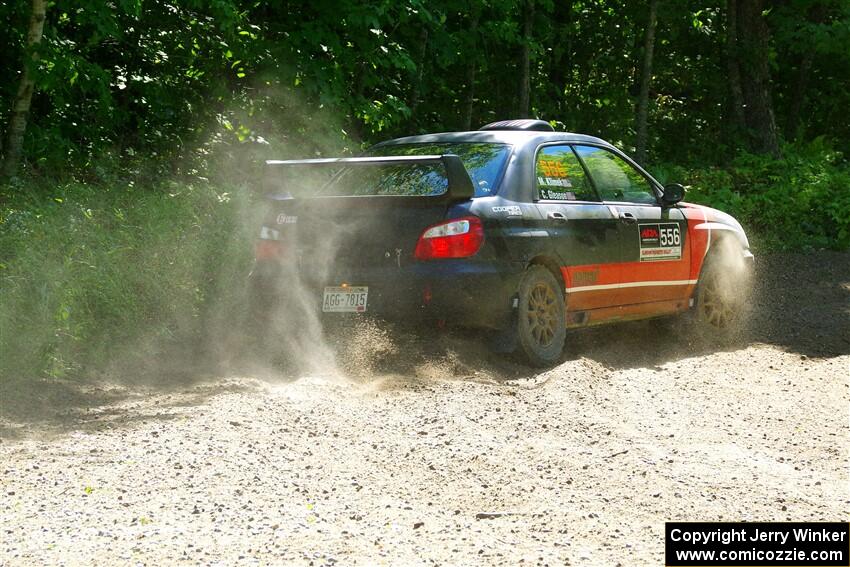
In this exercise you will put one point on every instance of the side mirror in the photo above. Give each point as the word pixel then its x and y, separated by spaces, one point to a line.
pixel 673 193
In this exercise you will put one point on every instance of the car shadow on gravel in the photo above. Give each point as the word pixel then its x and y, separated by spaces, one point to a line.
pixel 48 406
pixel 801 303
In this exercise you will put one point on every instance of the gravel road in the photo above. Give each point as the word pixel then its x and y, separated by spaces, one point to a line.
pixel 436 452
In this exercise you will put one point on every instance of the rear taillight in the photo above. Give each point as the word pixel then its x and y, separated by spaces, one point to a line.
pixel 269 246
pixel 457 238
pixel 268 250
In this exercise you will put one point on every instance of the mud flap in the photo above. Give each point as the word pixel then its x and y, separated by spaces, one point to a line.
pixel 505 341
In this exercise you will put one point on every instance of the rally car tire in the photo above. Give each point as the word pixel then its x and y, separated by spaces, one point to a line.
pixel 541 325
pixel 259 314
pixel 721 298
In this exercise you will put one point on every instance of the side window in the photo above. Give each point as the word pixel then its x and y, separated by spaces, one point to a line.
pixel 560 176
pixel 614 178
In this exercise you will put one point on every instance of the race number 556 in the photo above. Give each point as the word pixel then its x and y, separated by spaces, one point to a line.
pixel 670 236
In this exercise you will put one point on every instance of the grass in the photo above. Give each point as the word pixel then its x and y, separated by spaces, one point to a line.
pixel 90 270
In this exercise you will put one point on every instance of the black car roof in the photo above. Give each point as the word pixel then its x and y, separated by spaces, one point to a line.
pixel 514 183
pixel 517 138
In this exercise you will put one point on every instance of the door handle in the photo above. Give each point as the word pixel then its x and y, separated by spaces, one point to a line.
pixel 628 218
pixel 557 217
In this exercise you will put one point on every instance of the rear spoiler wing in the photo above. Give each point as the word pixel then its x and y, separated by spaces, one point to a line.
pixel 460 185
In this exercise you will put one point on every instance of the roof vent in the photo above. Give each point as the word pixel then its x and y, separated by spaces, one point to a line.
pixel 525 124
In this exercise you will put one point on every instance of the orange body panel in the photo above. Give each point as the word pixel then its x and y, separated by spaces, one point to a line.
pixel 634 290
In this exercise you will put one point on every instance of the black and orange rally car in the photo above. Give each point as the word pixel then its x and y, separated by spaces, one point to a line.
pixel 514 227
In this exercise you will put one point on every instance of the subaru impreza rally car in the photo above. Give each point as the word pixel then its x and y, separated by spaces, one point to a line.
pixel 514 227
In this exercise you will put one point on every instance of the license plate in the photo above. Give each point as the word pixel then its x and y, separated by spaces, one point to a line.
pixel 345 299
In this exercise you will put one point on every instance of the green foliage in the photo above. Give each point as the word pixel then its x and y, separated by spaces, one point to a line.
pixel 92 271
pixel 799 202
pixel 158 82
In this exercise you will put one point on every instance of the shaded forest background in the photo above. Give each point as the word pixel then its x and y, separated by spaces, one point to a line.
pixel 133 130
pixel 149 85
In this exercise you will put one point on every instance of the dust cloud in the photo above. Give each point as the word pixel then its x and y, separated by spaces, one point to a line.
pixel 725 290
pixel 284 333
pixel 293 321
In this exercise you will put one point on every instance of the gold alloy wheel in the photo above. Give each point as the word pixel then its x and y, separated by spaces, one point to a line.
pixel 716 308
pixel 542 314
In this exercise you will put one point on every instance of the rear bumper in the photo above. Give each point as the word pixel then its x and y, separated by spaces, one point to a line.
pixel 461 292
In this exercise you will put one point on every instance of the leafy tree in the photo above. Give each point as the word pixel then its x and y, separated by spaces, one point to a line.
pixel 23 97
pixel 158 88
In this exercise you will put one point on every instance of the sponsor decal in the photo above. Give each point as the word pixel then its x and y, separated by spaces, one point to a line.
pixel 649 233
pixel 585 278
pixel 283 218
pixel 660 241
pixel 512 210
pixel 554 174
pixel 553 168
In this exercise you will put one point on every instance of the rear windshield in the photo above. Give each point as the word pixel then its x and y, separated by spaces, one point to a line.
pixel 484 162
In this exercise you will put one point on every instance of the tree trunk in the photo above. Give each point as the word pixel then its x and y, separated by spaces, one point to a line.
pixel 23 98
pixel 737 122
pixel 472 63
pixel 469 104
pixel 420 68
pixel 801 83
pixel 524 101
pixel 569 67
pixel 645 80
pixel 557 64
pixel 753 39
pixel 799 93
pixel 355 124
